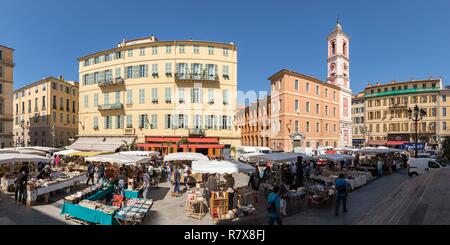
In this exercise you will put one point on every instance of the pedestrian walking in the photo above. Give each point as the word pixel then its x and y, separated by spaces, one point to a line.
pixel 273 207
pixel 283 201
pixel 122 183
pixel 146 184
pixel 101 172
pixel 90 173
pixel 169 171
pixel 20 184
pixel 186 173
pixel 177 181
pixel 341 194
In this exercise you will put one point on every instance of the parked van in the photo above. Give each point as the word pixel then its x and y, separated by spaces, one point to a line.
pixel 241 151
pixel 419 166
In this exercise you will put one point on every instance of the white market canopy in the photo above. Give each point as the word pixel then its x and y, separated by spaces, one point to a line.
pixel 9 150
pixel 19 158
pixel 118 159
pixel 186 156
pixel 220 167
pixel 335 157
pixel 65 152
pixel 373 150
pixel 32 152
pixel 100 144
pixel 140 153
pixel 41 148
pixel 283 157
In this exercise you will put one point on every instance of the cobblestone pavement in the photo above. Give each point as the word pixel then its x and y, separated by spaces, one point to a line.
pixel 169 210
pixel 422 200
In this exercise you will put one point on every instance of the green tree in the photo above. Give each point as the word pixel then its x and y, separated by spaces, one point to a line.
pixel 129 146
pixel 446 147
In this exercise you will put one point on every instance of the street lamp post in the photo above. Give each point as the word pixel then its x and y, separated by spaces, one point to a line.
pixel 416 115
pixel 53 134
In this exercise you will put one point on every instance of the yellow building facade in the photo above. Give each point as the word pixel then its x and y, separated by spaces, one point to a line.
pixel 6 99
pixel 170 96
pixel 387 117
pixel 46 113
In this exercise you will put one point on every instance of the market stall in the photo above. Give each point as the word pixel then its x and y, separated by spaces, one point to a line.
pixel 181 159
pixel 10 164
pixel 140 153
pixel 134 165
pixel 224 203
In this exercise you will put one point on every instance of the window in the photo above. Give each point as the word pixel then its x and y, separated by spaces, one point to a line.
pixel 61 117
pixel 317 127
pixel 195 95
pixel 129 121
pixel 226 97
pixel 317 90
pixel 317 108
pixel 181 49
pixel 334 95
pixel 154 50
pixel 118 55
pixel 74 109
pixel 117 97
pixel 210 50
pixel 36 104
pixel 296 106
pixel 211 122
pixel 296 85
pixel 444 125
pixel 1 71
pixel 54 116
pixel 307 127
pixel 226 72
pixel 106 99
pixel 307 106
pixel 142 51
pixel 108 122
pixel 74 120
pixel 211 96
pixel 181 95
pixel 95 122
pixel 154 95
pixel 68 118
pixel 225 52
pixel 444 98
pixel 61 103
pixel 168 49
pixel 168 93
pixel 129 96
pixel 85 101
pixel 119 122
pixel 196 49
pixel 154 121
pixel 334 111
pixel 168 68
pixel 118 72
pixel 307 87
pixel 181 121
pixel 167 121
pixel 197 122
pixel 154 70
pixel 326 110
pixel 142 96
pixel 108 57
pixel 444 112
pixel 326 128
pixel 297 126
pixel 130 53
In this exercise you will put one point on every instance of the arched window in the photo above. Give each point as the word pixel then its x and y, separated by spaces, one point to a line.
pixel 333 48
pixel 344 48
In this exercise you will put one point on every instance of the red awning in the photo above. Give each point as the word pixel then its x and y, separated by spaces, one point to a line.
pixel 197 146
pixel 392 142
pixel 177 139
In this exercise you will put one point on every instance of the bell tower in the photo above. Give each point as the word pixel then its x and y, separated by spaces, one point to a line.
pixel 339 57
pixel 339 74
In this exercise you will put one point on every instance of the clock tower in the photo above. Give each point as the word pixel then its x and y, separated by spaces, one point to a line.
pixel 339 74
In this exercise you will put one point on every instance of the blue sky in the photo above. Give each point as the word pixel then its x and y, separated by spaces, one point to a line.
pixel 391 40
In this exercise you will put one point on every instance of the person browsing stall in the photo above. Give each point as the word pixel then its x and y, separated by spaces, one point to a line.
pixel 273 207
pixel 146 184
pixel 101 172
pixel 20 185
pixel 90 173
pixel 122 183
pixel 341 193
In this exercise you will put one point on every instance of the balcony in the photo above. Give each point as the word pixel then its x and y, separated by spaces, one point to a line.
pixel 180 77
pixel 110 107
pixel 402 92
pixel 129 131
pixel 398 106
pixel 111 82
pixel 197 132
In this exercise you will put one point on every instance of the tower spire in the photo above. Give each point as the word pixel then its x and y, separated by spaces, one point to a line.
pixel 338 23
